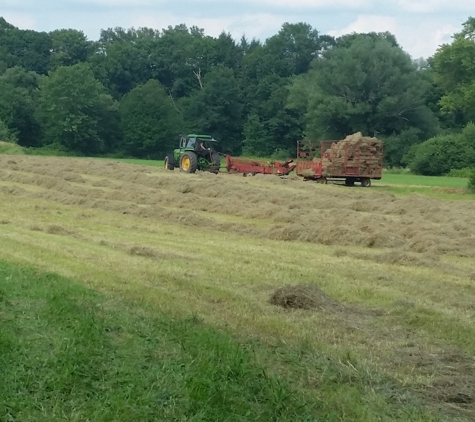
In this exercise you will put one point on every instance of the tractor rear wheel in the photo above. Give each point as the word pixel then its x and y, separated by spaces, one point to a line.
pixel 169 162
pixel 189 162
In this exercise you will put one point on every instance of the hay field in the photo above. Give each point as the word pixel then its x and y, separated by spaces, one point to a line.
pixel 395 317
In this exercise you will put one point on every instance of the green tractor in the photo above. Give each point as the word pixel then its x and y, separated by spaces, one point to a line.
pixel 195 153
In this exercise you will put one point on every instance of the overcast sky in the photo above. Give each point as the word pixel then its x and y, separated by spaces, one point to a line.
pixel 419 25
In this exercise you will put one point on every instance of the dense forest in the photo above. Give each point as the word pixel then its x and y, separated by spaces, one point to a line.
pixel 134 91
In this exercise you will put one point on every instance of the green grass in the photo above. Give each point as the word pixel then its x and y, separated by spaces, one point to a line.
pixel 153 163
pixel 424 181
pixel 464 173
pixel 70 353
pixel 451 188
pixel 11 148
pixel 397 170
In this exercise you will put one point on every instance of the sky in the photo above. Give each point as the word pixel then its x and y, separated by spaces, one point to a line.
pixel 420 26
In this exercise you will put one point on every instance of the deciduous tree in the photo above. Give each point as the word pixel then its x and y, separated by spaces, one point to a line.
pixel 78 114
pixel 217 109
pixel 69 47
pixel 454 66
pixel 18 103
pixel 366 83
pixel 150 122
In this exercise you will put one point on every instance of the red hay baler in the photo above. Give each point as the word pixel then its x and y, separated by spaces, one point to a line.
pixel 250 167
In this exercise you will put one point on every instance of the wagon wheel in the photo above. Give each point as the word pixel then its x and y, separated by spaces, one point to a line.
pixel 366 182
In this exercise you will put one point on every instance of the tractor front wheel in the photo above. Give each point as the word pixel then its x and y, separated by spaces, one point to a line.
pixel 215 159
pixel 215 162
pixel 169 162
pixel 189 162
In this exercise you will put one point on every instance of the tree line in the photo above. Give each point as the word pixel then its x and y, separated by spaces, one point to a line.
pixel 134 91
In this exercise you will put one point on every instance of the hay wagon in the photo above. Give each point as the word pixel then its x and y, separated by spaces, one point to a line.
pixel 353 159
pixel 250 167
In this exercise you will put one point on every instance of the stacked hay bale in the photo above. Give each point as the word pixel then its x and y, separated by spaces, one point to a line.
pixel 363 156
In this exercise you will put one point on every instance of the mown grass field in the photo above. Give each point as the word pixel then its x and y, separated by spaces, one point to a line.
pixel 128 292
pixel 451 188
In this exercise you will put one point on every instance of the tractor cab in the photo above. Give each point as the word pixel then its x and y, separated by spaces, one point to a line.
pixel 197 143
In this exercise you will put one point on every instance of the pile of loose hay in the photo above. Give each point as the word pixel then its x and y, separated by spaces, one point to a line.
pixel 301 296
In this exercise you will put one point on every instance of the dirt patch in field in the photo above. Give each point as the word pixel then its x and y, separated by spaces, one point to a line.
pixel 302 296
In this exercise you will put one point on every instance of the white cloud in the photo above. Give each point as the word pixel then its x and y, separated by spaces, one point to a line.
pixel 313 4
pixel 427 6
pixel 423 40
pixel 255 25
pixel 419 25
pixel 420 40
pixel 20 20
pixel 130 3
pixel 316 4
pixel 367 23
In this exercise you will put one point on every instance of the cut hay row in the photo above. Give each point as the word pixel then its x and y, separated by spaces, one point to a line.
pixel 290 209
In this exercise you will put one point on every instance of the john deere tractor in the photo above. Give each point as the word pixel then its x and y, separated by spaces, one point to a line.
pixel 195 153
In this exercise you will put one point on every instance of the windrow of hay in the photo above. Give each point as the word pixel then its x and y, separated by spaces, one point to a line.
pixel 148 252
pixel 52 229
pixel 56 229
pixel 288 210
pixel 394 257
pixel 143 251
